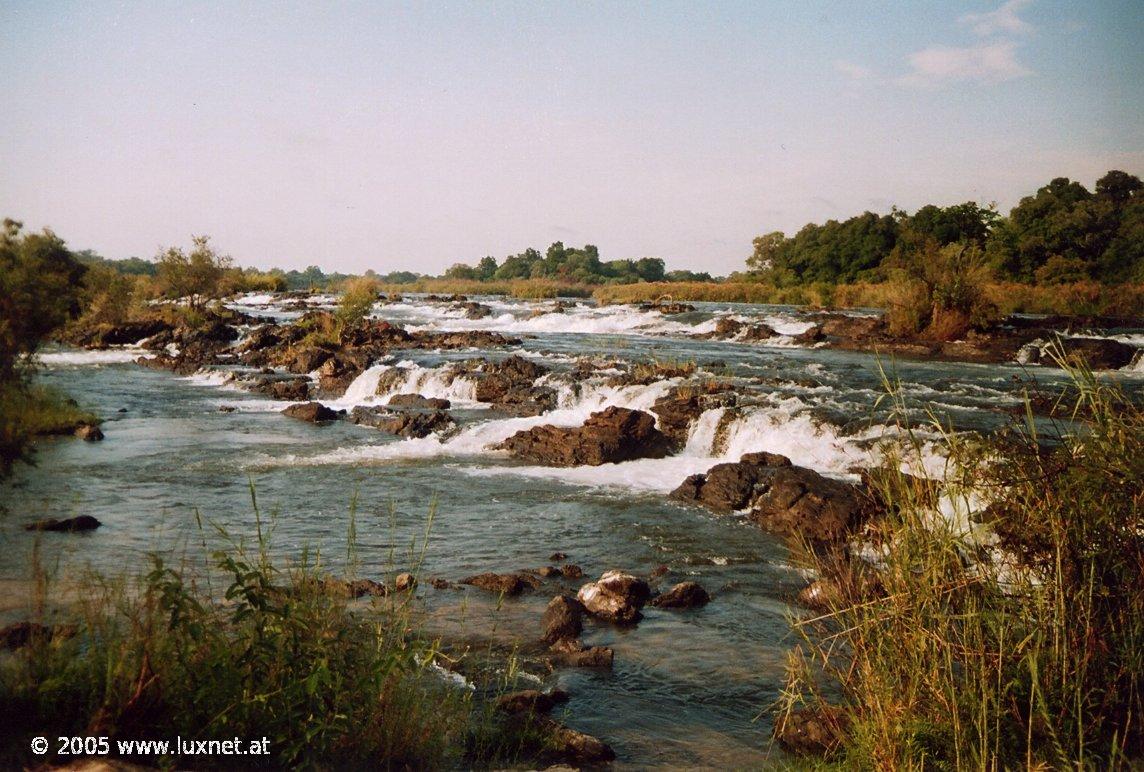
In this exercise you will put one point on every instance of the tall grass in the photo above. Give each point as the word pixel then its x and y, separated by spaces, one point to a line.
pixel 289 654
pixel 1013 642
pixel 28 410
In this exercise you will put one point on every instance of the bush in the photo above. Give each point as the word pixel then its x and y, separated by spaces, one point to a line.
pixel 357 300
pixel 1019 650
pixel 940 293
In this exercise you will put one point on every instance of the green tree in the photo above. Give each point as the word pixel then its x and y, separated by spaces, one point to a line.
pixel 39 291
pixel 195 275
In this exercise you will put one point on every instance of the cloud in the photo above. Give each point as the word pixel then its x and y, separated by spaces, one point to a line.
pixel 852 70
pixel 1001 21
pixel 984 63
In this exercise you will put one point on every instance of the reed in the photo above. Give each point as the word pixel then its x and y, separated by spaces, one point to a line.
pixel 1013 638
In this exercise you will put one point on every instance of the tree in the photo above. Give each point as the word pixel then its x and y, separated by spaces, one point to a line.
pixel 766 252
pixel 650 268
pixel 195 276
pixel 1118 186
pixel 39 291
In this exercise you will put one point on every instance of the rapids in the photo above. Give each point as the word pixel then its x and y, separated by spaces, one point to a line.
pixel 688 687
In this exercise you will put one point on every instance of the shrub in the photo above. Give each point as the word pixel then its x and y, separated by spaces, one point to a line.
pixel 357 300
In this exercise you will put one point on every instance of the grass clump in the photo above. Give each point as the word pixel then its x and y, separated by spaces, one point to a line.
pixel 30 410
pixel 282 654
pixel 1020 646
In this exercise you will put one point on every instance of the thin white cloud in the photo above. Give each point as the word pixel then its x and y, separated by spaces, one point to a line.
pixel 984 63
pixel 1004 20
pixel 852 70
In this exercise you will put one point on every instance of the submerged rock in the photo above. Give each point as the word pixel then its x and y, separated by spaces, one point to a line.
pixel 69 525
pixel 507 584
pixel 313 412
pixel 1099 353
pixel 611 436
pixel 616 597
pixel 683 595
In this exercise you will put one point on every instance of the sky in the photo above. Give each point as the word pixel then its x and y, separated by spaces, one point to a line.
pixel 399 136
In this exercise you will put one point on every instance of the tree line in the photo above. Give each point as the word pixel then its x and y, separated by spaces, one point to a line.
pixel 570 264
pixel 1062 233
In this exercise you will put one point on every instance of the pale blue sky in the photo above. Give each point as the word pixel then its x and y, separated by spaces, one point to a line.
pixel 411 136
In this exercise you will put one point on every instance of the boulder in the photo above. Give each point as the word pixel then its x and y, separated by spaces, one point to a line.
pixel 784 499
pixel 817 731
pixel 682 595
pixel 530 701
pixel 69 525
pixel 418 401
pixel 307 359
pixel 505 584
pixel 614 435
pixel 510 381
pixel 616 597
pixel 473 310
pixel 1099 353
pixel 338 372
pixel 416 425
pixel 314 412
pixel 405 582
pixel 727 328
pixel 571 571
pixel 89 432
pixel 563 618
pixel 575 748
pixel 667 307
pixel 678 411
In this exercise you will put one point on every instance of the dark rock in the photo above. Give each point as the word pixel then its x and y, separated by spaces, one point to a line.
pixel 571 571
pixel 563 618
pixel 616 597
pixel 658 571
pixel 678 411
pixel 783 499
pixel 727 327
pixel 417 425
pixel 547 572
pixel 570 652
pixel 339 371
pixel 437 583
pixel 20 634
pixel 1099 353
pixel 611 436
pixel 667 307
pixel 359 588
pixel 474 310
pixel 530 701
pixel 70 525
pixel 812 731
pixel 682 595
pixel 314 412
pixel 308 358
pixel 507 584
pixel 89 433
pixel 574 747
pixel 405 582
pixel 418 401
pixel 557 556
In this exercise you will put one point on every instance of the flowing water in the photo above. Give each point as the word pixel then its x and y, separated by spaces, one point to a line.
pixel 688 687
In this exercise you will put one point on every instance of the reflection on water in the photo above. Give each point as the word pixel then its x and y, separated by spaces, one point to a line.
pixel 687 686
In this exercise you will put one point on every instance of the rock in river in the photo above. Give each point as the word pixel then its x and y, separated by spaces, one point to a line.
pixel 611 436
pixel 683 595
pixel 784 499
pixel 71 524
pixel 616 596
pixel 313 412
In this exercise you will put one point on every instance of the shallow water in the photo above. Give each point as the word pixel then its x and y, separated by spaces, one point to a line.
pixel 688 687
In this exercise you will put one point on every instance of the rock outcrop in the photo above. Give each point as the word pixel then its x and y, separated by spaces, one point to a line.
pixel 614 435
pixel 784 499
pixel 615 597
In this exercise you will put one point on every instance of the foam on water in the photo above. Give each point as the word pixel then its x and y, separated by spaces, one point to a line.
pixel 82 358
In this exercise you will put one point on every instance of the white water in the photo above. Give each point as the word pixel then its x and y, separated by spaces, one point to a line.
pixel 111 356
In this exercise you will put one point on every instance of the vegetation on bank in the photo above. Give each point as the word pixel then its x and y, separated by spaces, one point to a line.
pixel 1020 650
pixel 331 680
